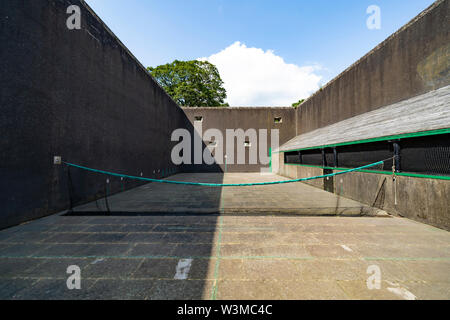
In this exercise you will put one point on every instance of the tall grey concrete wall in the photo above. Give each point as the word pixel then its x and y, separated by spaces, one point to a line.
pixel 422 199
pixel 79 94
pixel 411 62
pixel 243 118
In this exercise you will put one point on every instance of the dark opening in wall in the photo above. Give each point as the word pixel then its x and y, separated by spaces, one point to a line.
pixel 278 120
pixel 292 157
pixel 358 155
pixel 312 157
pixel 422 155
pixel 199 118
pixel 427 155
pixel 329 158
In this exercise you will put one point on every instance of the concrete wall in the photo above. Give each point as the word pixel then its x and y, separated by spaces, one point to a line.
pixel 243 118
pixel 78 94
pixel 411 62
pixel 421 199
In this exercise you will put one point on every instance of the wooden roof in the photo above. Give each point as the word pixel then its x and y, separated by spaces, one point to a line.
pixel 427 112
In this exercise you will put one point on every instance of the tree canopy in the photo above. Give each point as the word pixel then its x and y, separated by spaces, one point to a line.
pixel 191 83
pixel 299 102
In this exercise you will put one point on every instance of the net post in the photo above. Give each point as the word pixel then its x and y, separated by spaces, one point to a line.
pixel 397 150
pixel 335 155
pixel 394 179
pixel 324 158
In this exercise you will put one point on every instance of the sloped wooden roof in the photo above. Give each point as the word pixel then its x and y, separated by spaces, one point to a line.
pixel 427 112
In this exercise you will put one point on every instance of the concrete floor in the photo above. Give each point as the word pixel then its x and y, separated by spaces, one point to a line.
pixel 296 198
pixel 186 256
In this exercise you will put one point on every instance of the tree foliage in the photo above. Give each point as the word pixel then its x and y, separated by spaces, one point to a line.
pixel 299 102
pixel 191 83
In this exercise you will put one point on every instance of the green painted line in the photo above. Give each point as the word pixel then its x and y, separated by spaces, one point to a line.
pixel 322 167
pixel 384 138
pixel 418 175
pixel 270 163
pixel 224 184
pixel 405 259
pixel 222 202
pixel 191 228
pixel 248 228
pixel 216 269
pixel 219 241
pixel 153 257
pixel 212 228
pixel 105 257
pixel 267 257
pixel 403 174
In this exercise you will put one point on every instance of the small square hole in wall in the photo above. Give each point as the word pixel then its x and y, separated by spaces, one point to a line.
pixel 199 118
pixel 247 144
pixel 278 120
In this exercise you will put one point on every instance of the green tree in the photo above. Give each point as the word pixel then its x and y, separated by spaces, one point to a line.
pixel 191 83
pixel 299 102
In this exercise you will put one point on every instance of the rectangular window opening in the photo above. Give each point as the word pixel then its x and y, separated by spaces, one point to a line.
pixel 427 155
pixel 278 120
pixel 199 118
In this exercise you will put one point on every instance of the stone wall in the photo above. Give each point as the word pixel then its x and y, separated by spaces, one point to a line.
pixel 422 199
pixel 78 94
pixel 412 61
pixel 243 118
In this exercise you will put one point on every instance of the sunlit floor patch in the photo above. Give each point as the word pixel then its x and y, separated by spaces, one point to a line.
pixel 269 255
pixel 299 258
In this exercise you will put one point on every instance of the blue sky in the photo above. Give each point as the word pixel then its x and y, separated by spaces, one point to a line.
pixel 320 37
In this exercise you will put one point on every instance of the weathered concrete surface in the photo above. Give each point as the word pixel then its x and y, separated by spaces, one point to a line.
pixel 243 118
pixel 79 94
pixel 425 112
pixel 292 198
pixel 166 198
pixel 421 199
pixel 233 257
pixel 411 62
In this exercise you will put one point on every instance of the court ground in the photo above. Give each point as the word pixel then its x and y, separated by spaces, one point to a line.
pixel 169 242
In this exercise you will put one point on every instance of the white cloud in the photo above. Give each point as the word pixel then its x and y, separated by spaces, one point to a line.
pixel 254 77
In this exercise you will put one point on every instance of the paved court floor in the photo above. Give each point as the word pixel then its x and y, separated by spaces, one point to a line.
pixel 296 198
pixel 238 256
